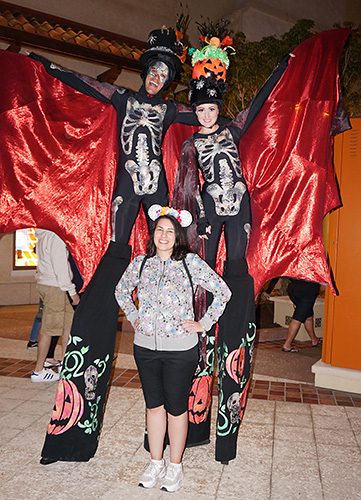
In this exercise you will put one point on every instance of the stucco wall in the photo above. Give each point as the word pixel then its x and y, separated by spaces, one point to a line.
pixel 257 18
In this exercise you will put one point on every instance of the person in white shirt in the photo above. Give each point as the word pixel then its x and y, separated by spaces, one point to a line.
pixel 54 281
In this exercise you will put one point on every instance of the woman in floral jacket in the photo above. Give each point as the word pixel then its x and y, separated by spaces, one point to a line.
pixel 166 335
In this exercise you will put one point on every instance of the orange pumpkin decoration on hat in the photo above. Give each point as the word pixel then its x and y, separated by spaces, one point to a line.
pixel 211 59
pixel 208 66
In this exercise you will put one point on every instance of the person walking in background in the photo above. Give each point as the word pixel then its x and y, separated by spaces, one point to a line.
pixel 50 361
pixel 303 295
pixel 33 340
pixel 53 278
pixel 166 335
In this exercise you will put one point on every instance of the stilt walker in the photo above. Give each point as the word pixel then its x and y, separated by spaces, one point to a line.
pixel 142 119
pixel 222 202
pixel 229 189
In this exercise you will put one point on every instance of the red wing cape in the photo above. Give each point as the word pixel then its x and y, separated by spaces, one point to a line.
pixel 57 159
pixel 286 158
pixel 59 148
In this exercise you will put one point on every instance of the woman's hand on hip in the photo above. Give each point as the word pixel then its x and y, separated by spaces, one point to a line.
pixel 192 326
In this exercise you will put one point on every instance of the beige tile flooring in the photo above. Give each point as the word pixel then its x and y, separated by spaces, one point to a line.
pixel 286 451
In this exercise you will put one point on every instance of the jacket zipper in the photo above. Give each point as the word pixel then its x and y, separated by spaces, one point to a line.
pixel 156 315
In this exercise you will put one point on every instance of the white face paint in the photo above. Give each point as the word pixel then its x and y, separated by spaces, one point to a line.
pixel 156 77
pixel 160 69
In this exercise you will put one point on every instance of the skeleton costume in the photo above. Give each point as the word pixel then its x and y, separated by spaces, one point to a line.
pixel 224 202
pixel 142 120
pixel 58 165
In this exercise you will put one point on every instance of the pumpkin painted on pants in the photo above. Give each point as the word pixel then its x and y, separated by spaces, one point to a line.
pixel 199 399
pixel 68 408
pixel 235 364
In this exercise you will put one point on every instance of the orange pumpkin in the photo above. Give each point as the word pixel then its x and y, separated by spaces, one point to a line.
pixel 209 66
pixel 242 401
pixel 199 400
pixel 235 364
pixel 68 408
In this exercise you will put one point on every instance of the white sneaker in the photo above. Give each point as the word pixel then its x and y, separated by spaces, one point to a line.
pixel 173 478
pixel 153 471
pixel 46 375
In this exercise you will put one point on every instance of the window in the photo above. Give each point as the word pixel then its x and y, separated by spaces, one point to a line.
pixel 24 245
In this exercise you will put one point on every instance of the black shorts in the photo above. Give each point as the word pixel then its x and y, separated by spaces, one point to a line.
pixel 166 377
pixel 303 294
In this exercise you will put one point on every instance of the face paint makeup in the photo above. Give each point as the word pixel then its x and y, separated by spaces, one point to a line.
pixel 159 69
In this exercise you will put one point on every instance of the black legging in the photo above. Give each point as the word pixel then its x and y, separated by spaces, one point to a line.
pixel 236 230
pixel 128 209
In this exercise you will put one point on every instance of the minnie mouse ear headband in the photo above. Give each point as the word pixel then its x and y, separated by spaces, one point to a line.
pixel 183 216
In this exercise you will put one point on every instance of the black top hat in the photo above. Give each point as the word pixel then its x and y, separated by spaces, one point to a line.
pixel 205 90
pixel 163 42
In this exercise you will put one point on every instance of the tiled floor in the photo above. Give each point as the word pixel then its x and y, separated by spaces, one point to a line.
pixel 295 442
pixel 269 390
pixel 286 451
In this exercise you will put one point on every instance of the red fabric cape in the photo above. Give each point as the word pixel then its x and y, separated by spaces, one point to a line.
pixel 286 157
pixel 59 151
pixel 57 166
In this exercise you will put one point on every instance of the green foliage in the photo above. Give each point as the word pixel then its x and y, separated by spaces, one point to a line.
pixel 350 70
pixel 254 62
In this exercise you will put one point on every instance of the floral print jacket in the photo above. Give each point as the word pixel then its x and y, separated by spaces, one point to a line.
pixel 165 300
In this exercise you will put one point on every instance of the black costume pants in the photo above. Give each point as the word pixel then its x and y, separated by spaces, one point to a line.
pixel 126 204
pixel 74 429
pixel 234 345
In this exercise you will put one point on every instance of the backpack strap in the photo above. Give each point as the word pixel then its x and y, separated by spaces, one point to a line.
pixel 189 274
pixel 142 266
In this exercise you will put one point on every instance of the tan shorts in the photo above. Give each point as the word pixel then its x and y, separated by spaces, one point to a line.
pixel 57 313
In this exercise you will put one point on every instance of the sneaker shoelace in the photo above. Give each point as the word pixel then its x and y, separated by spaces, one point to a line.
pixel 172 472
pixel 152 468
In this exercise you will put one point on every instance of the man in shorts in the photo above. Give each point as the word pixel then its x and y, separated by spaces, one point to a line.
pixel 55 286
